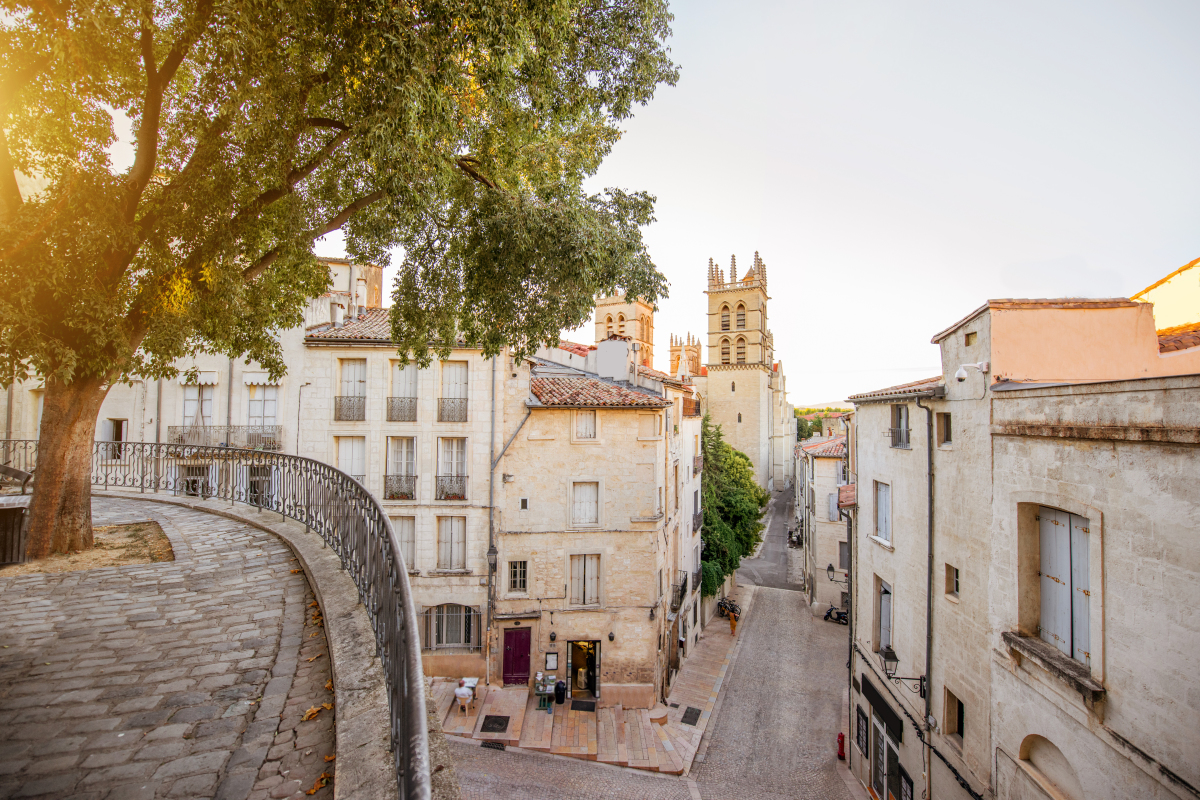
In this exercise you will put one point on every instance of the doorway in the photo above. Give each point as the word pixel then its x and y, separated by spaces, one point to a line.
pixel 583 669
pixel 516 655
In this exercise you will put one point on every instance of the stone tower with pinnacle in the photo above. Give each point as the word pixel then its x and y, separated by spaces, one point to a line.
pixel 635 319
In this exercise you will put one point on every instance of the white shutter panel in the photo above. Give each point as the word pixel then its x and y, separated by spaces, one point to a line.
pixel 885 618
pixel 404 380
pixel 585 424
pixel 345 453
pixel 445 544
pixel 1080 600
pixel 577 580
pixel 1055 568
pixel 592 572
pixel 270 405
pixel 459 553
pixel 454 380
pixel 884 512
pixel 460 457
pixel 833 509
pixel 406 532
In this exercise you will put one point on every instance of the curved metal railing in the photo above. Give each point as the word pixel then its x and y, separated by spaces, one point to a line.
pixel 327 501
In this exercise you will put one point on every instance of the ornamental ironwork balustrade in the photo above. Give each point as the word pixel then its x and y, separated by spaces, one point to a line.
pixel 248 437
pixel 402 409
pixel 900 437
pixel 697 578
pixel 330 503
pixel 678 592
pixel 399 487
pixel 452 409
pixel 349 408
pixel 451 487
pixel 697 520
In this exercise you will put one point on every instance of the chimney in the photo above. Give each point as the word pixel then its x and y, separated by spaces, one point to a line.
pixel 360 294
pixel 335 313
pixel 615 360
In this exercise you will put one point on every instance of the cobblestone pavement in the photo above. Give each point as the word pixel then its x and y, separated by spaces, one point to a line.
pixel 160 680
pixel 772 565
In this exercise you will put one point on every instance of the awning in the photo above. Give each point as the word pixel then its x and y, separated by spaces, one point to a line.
pixel 258 379
pixel 203 378
pixel 891 720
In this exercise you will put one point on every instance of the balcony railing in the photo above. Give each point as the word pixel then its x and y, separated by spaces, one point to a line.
pixel 678 593
pixel 343 513
pixel 451 487
pixel 452 409
pixel 399 487
pixel 349 408
pixel 691 408
pixel 697 520
pixel 697 578
pixel 698 464
pixel 246 437
pixel 900 436
pixel 402 409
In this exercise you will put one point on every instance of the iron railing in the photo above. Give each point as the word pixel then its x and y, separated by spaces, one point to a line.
pixel 349 408
pixel 248 437
pixel 452 409
pixel 451 487
pixel 334 505
pixel 452 627
pixel 691 408
pixel 697 520
pixel 697 578
pixel 399 487
pixel 402 409
pixel 900 436
pixel 678 592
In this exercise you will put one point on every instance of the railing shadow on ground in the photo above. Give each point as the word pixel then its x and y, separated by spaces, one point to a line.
pixel 334 505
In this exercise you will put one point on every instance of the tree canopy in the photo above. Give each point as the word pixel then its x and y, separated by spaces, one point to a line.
pixel 459 131
pixel 732 503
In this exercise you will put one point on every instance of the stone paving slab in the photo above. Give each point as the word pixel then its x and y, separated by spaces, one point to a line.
pixel 150 680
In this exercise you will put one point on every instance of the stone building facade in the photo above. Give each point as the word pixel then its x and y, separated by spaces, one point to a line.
pixel 1018 557
pixel 821 470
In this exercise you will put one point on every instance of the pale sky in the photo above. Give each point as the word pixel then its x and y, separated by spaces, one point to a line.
pixel 896 164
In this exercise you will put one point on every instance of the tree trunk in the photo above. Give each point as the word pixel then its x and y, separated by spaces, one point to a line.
pixel 60 511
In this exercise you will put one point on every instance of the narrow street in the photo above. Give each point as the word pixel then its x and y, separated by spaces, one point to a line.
pixel 775 735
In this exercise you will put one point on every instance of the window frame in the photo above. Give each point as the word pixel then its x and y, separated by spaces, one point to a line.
pixel 571 488
pixel 518 571
pixel 457 544
pixel 262 402
pixel 576 416
pixel 740 316
pixel 944 429
pixel 724 318
pixel 876 503
pixel 399 524
pixel 596 598
pixel 740 350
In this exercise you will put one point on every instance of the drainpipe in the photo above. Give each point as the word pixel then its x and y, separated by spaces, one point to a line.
pixel 491 527
pixel 158 412
pixel 928 595
pixel 229 406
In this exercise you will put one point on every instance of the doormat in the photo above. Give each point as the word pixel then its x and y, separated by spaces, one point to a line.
pixel 493 745
pixel 691 716
pixel 494 724
pixel 674 705
pixel 583 705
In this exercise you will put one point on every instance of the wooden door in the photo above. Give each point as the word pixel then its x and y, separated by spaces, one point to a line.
pixel 516 655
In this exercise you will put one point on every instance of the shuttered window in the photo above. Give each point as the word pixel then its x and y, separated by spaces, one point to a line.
pixel 263 404
pixel 833 509
pixel 454 380
pixel 406 532
pixel 352 455
pixel 354 377
pixel 883 511
pixel 452 457
pixel 585 506
pixel 585 580
pixel 452 542
pixel 197 406
pixel 1065 587
pixel 404 380
pixel 402 455
pixel 585 424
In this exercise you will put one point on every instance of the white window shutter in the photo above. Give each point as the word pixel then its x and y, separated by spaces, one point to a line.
pixel 1055 623
pixel 585 424
pixel 458 556
pixel 833 509
pixel 445 544
pixel 592 572
pixel 404 380
pixel 577 580
pixel 454 380
pixel 1080 599
pixel 406 532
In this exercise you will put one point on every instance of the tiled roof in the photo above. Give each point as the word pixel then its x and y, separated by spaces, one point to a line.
pixel 830 448
pixel 1052 302
pixel 902 389
pixel 658 375
pixel 584 392
pixel 848 495
pixel 576 348
pixel 371 326
pixel 829 414
pixel 1180 337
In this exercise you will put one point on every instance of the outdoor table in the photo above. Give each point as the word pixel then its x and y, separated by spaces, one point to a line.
pixel 545 694
pixel 471 683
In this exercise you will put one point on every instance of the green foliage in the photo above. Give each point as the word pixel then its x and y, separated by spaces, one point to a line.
pixel 732 503
pixel 460 131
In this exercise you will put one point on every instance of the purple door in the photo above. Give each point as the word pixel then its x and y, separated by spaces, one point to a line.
pixel 516 655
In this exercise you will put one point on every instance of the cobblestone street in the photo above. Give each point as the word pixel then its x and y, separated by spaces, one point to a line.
pixel 775 735
pixel 166 679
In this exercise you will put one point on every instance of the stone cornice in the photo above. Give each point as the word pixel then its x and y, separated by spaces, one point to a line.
pixel 1118 433
pixel 735 367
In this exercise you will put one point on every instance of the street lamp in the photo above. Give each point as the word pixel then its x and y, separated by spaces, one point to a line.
pixel 830 572
pixel 890 661
pixel 492 554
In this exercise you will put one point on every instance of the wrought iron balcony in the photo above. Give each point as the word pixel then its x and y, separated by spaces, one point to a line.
pixel 399 487
pixel 402 409
pixel 697 578
pixel 451 487
pixel 697 520
pixel 691 408
pixel 678 592
pixel 900 437
pixel 246 437
pixel 349 408
pixel 452 409
pixel 698 464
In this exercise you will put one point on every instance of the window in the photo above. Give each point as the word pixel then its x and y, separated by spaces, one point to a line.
pixel 739 417
pixel 608 324
pixel 733 386
pixel 649 426
pixel 404 380
pixel 741 317
pixel 263 405
pixel 451 625
pixel 883 511
pixel 1064 620
pixel 883 610
pixel 741 350
pixel 406 532
pixel 844 556
pixel 660 582
pixel 452 542
pixel 954 724
pixel 724 318
pixel 354 377
pixel 862 731
pixel 517 572
pixel 724 351
pixel 952 581
pixel 452 457
pixel 585 580
pixel 585 424
pixel 969 338
pixel 454 380
pixel 944 431
pixel 197 406
pixel 832 500
pixel 352 456
pixel 585 503
pixel 841 473
pixel 900 431
pixel 621 324
pixel 402 455
pixel 524 503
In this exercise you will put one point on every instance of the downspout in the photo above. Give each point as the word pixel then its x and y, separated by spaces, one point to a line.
pixel 491 528
pixel 928 597
pixel 158 412
pixel 229 405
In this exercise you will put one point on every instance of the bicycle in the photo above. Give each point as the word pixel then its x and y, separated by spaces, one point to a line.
pixel 725 606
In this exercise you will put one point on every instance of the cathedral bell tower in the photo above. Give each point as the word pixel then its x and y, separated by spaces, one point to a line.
pixel 616 315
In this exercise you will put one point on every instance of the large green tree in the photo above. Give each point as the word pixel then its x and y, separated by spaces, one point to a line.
pixel 732 502
pixel 461 131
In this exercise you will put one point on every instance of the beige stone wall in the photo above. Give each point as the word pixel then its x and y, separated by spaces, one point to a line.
pixel 743 390
pixel 822 537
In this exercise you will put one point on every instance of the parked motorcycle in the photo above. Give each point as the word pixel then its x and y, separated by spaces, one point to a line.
pixel 838 615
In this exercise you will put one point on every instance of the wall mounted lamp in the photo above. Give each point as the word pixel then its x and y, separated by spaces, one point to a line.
pixel 890 661
pixel 611 636
pixel 831 572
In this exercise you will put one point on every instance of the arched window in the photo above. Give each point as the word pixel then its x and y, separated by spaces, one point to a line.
pixel 451 625
pixel 741 317
pixel 724 351
pixel 733 386
pixel 741 350
pixel 621 324
pixel 724 318
pixel 739 417
pixel 608 324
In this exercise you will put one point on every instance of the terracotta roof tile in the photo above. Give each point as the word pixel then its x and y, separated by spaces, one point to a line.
pixel 848 495
pixel 902 389
pixel 1179 337
pixel 576 348
pixel 830 448
pixel 372 325
pixel 656 374
pixel 584 392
